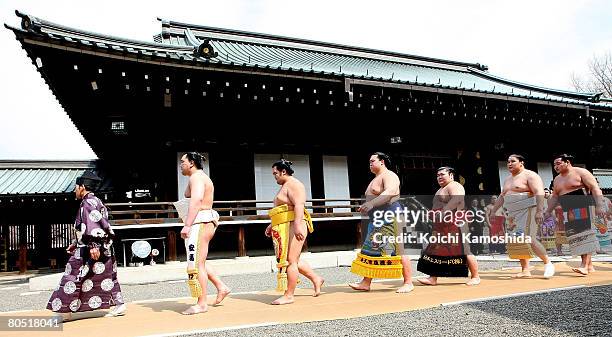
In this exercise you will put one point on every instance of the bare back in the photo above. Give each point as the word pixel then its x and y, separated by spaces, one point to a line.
pixel 203 190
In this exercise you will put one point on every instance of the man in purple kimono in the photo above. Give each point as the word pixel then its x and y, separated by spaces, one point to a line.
pixel 90 279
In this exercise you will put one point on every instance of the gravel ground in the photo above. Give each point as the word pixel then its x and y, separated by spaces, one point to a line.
pixel 550 314
pixel 12 299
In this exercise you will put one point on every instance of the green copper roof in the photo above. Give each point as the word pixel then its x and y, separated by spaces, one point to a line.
pixel 210 46
pixel 33 177
pixel 604 178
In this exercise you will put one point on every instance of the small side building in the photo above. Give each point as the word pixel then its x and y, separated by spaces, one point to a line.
pixel 37 208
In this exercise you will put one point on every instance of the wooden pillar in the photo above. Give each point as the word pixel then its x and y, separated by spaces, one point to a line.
pixel 42 240
pixel 241 241
pixel 241 233
pixel 172 246
pixel 23 249
pixel 23 258
pixel 4 248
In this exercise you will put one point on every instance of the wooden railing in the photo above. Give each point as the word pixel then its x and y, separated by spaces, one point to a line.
pixel 236 212
pixel 240 213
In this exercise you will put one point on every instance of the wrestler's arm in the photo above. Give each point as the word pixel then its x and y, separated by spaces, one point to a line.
pixel 553 201
pixel 500 199
pixel 391 184
pixel 548 203
pixel 457 193
pixel 297 196
pixel 188 192
pixel 590 183
pixel 536 186
pixel 196 185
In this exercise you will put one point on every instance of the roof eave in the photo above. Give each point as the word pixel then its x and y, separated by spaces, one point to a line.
pixel 33 24
pixel 47 164
pixel 590 97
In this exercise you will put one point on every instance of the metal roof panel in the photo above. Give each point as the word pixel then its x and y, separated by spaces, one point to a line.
pixel 38 181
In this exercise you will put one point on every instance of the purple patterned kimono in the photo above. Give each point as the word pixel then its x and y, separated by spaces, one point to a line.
pixel 89 284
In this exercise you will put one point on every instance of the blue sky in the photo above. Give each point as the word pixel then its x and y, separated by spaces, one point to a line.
pixel 539 42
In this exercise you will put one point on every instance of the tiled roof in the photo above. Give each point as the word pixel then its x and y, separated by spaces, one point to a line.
pixel 604 178
pixel 180 43
pixel 39 177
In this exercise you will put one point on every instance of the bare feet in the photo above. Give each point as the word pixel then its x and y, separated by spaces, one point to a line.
pixel 195 309
pixel 361 286
pixel 430 281
pixel 406 288
pixel 221 294
pixel 317 286
pixel 523 274
pixel 474 281
pixel 591 269
pixel 283 300
pixel 582 271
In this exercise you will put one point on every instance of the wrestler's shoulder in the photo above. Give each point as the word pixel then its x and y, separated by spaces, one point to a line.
pixel 532 174
pixel 581 170
pixel 199 175
pixel 391 173
pixel 207 178
pixel 455 186
pixel 295 183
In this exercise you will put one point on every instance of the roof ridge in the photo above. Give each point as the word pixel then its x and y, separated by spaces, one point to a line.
pixel 168 24
pixel 319 52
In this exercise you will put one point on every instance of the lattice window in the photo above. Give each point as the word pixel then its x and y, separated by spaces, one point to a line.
pixel 61 235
